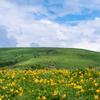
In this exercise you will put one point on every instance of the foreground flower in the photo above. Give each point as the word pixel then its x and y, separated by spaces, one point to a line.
pixel 96 84
pixel 82 90
pixel 45 91
pixel 98 90
pixel 16 91
pixel 12 90
pixel 2 97
pixel 96 97
pixel 63 96
pixel 4 88
pixel 38 97
pixel 55 93
pixel 44 98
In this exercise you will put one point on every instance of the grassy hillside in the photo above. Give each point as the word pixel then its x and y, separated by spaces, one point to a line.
pixel 58 57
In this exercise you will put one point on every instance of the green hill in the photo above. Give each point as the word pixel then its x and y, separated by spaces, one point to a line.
pixel 44 56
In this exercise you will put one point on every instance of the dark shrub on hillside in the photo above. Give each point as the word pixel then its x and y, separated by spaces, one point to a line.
pixel 9 63
pixel 16 61
pixel 36 66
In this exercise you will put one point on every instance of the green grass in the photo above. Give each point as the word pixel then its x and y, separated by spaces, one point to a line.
pixel 58 57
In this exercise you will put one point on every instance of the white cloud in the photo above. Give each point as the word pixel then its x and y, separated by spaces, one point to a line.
pixel 87 45
pixel 21 24
pixel 46 21
pixel 34 44
pixel 4 40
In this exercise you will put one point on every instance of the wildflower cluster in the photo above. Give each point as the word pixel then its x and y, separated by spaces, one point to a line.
pixel 51 84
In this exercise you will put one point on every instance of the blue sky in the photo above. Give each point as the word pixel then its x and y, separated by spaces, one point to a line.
pixel 50 23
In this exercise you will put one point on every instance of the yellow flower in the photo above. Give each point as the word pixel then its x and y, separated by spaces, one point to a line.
pixel 2 96
pixel 96 84
pixel 81 76
pixel 16 91
pixel 90 78
pixel 32 90
pixel 82 90
pixel 45 91
pixel 82 80
pixel 29 91
pixel 41 80
pixel 94 81
pixel 36 80
pixel 0 80
pixel 51 80
pixel 23 78
pixel 78 87
pixel 4 88
pixel 38 97
pixel 71 79
pixel 55 93
pixel 98 90
pixel 44 98
pixel 12 75
pixel 78 92
pixel 53 84
pixel 12 90
pixel 20 95
pixel 37 77
pixel 63 96
pixel 20 88
pixel 12 84
pixel 96 97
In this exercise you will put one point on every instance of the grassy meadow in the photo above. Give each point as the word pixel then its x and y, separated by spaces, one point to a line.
pixel 25 74
pixel 49 84
pixel 44 57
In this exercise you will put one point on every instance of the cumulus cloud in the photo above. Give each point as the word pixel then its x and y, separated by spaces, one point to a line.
pixel 4 40
pixel 29 21
pixel 34 44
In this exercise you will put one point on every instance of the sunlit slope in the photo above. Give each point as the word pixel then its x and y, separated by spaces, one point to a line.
pixel 58 57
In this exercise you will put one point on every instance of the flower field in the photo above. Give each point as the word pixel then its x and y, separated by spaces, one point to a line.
pixel 50 84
